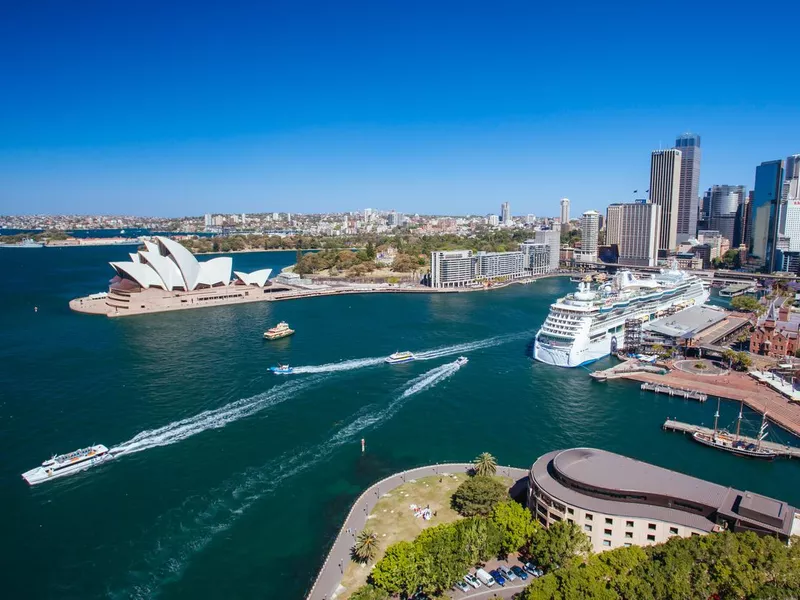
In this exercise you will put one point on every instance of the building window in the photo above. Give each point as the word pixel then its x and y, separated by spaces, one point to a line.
pixel 607 543
pixel 607 531
pixel 627 545
pixel 651 538
pixel 588 516
pixel 629 534
pixel 588 528
pixel 628 523
pixel 570 511
pixel 694 534
pixel 570 520
pixel 651 526
pixel 673 531
pixel 554 517
pixel 609 521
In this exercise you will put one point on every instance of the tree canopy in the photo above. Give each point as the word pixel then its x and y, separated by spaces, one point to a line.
pixel 746 304
pixel 485 464
pixel 516 524
pixel 478 495
pixel 559 545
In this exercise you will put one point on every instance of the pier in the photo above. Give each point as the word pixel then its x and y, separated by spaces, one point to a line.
pixel 672 391
pixel 779 449
pixel 737 289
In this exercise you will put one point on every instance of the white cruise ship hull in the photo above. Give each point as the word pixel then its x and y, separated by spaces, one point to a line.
pixel 42 474
pixel 589 337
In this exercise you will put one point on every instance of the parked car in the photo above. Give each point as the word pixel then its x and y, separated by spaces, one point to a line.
pixel 535 571
pixel 519 572
pixel 484 578
pixel 498 577
pixel 506 572
pixel 462 585
pixel 472 580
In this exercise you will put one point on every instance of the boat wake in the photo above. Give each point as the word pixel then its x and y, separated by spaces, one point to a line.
pixel 345 365
pixel 182 535
pixel 211 419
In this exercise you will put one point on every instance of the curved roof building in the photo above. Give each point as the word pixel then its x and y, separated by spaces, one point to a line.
pixel 619 501
pixel 167 265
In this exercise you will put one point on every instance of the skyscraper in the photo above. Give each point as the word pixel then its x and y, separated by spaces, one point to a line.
pixel 564 214
pixel 665 174
pixel 590 225
pixel 613 221
pixel 689 145
pixel 639 230
pixel 766 211
pixel 724 206
pixel 552 239
pixel 505 214
pixel 790 198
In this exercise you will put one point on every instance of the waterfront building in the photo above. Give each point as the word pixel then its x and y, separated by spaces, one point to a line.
pixel 564 215
pixel 492 220
pixel 776 331
pixel 689 146
pixel 537 257
pixel 499 265
pixel 552 239
pixel 766 212
pixel 454 268
pixel 590 227
pixel 505 214
pixel 619 501
pixel 639 230
pixel 665 173
pixel 790 198
pixel 726 202
pixel 613 220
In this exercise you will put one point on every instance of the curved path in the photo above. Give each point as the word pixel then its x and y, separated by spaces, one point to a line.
pixel 330 575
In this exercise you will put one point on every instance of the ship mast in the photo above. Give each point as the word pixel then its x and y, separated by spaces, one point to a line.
pixel 762 432
pixel 716 417
pixel 739 420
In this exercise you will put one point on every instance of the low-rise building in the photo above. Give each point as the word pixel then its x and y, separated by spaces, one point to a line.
pixel 618 501
pixel 499 265
pixel 776 331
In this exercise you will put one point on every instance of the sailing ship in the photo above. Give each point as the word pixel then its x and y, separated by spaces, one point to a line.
pixel 721 439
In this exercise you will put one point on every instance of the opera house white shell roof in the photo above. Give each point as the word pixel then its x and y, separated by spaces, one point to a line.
pixel 167 265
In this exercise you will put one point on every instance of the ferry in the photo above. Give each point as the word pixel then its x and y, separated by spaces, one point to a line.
pixel 282 370
pixel 281 330
pixel 461 361
pixel 67 464
pixel 26 243
pixel 400 357
pixel 589 324
pixel 733 443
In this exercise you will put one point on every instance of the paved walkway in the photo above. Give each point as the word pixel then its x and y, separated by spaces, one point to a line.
pixel 330 575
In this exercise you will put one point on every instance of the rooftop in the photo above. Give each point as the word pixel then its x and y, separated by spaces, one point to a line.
pixel 690 321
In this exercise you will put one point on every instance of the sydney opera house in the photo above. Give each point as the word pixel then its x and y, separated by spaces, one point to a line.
pixel 165 276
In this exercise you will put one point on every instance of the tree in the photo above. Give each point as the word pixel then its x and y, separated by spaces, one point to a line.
pixel 516 524
pixel 298 256
pixel 559 545
pixel 366 547
pixel 397 571
pixel 746 304
pixel 403 263
pixel 441 561
pixel 485 464
pixel 478 495
pixel 369 592
pixel 370 250
pixel 743 361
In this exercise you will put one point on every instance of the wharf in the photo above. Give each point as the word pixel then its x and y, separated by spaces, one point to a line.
pixel 671 391
pixel 779 449
pixel 737 289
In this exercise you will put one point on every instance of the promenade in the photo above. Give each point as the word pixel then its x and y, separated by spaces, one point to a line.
pixel 326 585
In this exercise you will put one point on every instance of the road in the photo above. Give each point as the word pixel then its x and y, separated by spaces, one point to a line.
pixel 330 575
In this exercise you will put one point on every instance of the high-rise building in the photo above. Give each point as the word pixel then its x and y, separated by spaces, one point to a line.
pixel 744 224
pixel 505 213
pixel 492 220
pixel 393 220
pixel 537 257
pixel 452 269
pixel 244 218
pixel 613 217
pixel 639 230
pixel 790 198
pixel 725 206
pixel 689 145
pixel 208 221
pixel 766 211
pixel 552 239
pixel 564 214
pixel 665 175
pixel 590 226
pixel 496 265
pixel 530 219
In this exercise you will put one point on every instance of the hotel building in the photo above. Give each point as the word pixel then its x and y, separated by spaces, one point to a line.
pixel 618 501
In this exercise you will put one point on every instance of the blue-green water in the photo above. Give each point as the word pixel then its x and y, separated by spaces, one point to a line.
pixel 242 501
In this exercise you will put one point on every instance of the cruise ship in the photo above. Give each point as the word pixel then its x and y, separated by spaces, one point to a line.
pixel 67 464
pixel 590 323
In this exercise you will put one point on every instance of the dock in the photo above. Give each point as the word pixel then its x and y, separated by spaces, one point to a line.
pixel 737 289
pixel 779 449
pixel 673 391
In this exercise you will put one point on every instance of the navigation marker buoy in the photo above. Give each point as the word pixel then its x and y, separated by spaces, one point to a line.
pixel 363 444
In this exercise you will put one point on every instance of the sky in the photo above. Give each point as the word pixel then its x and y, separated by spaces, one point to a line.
pixel 182 108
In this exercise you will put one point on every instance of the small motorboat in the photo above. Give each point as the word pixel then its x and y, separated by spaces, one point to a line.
pixel 461 361
pixel 282 370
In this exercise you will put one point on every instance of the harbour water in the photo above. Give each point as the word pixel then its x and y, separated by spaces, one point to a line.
pixel 230 481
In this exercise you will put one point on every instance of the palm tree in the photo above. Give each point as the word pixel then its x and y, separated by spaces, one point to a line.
pixel 485 464
pixel 366 546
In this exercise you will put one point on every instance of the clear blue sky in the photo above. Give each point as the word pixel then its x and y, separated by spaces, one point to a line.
pixel 173 108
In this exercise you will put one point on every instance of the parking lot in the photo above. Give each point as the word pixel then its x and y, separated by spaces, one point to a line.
pixel 508 591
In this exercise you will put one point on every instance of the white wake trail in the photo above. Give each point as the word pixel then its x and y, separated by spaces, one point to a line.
pixel 210 419
pixel 345 365
pixel 467 347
